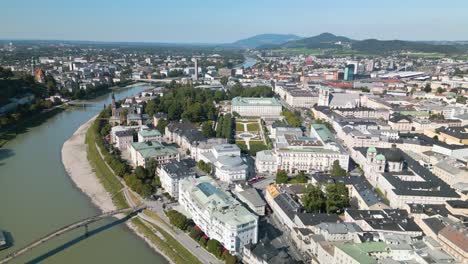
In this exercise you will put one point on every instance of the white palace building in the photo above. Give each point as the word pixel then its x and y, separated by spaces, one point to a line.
pixel 262 107
pixel 217 213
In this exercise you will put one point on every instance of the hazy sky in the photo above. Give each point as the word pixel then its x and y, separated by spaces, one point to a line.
pixel 226 21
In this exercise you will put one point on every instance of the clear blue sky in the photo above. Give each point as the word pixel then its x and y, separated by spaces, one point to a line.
pixel 229 20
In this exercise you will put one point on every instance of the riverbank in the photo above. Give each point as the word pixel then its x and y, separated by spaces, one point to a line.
pixel 117 87
pixel 75 161
pixel 23 125
pixel 83 174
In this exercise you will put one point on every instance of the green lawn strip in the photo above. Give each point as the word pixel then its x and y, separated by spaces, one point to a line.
pixel 256 146
pixel 253 127
pixel 169 245
pixel 104 174
pixel 241 144
pixel 239 127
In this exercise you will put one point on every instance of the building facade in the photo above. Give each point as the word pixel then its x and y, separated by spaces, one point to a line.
pixel 262 107
pixel 218 214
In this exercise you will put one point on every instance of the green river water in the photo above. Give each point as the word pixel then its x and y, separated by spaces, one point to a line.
pixel 37 197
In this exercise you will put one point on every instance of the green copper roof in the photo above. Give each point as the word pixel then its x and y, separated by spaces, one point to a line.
pixel 361 251
pixel 371 150
pixel 153 149
pixel 380 157
pixel 323 132
pixel 250 101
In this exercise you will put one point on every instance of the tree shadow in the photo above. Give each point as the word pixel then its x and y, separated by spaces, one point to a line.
pixel 24 125
pixel 79 239
pixel 4 154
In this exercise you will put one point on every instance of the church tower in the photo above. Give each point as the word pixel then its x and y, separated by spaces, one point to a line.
pixel 113 106
pixel 324 96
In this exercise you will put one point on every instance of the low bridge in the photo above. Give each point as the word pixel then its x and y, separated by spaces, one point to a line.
pixel 68 228
pixel 81 103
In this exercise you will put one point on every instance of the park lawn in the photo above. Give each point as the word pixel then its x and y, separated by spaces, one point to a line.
pixel 104 174
pixel 169 245
pixel 239 127
pixel 157 218
pixel 253 127
pixel 256 146
pixel 241 144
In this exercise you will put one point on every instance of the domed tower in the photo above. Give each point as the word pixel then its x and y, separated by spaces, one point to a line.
pixel 395 160
pixel 379 163
pixel 371 153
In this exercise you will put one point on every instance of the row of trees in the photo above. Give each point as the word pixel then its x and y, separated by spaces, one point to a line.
pixel 212 245
pixel 178 220
pixel 257 91
pixel 207 129
pixel 5 73
pixel 225 127
pixel 282 177
pixel 143 181
pixel 293 118
pixel 196 105
pixel 25 111
pixel 206 167
pixel 333 200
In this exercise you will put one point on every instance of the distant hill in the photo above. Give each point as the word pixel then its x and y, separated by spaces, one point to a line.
pixel 374 46
pixel 368 46
pixel 264 39
pixel 324 40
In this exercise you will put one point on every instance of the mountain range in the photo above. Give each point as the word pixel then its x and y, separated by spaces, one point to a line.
pixel 331 41
pixel 264 39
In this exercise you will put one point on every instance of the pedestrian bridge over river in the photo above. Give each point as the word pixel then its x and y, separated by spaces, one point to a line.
pixel 68 228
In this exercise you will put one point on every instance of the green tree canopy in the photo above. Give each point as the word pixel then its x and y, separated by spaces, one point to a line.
pixel 427 88
pixel 177 219
pixel 337 170
pixel 337 197
pixel 301 177
pixel 313 199
pixel 207 129
pixel 224 80
pixel 151 108
pixel 281 177
pixel 140 172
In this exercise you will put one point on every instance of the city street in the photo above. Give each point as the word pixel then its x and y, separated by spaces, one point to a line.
pixel 278 235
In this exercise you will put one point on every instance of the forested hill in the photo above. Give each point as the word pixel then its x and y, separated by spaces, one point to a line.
pixel 368 46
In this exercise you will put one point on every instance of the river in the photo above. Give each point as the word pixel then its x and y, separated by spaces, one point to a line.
pixel 37 197
pixel 248 62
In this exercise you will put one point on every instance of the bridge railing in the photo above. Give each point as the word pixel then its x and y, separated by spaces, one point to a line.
pixel 68 228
